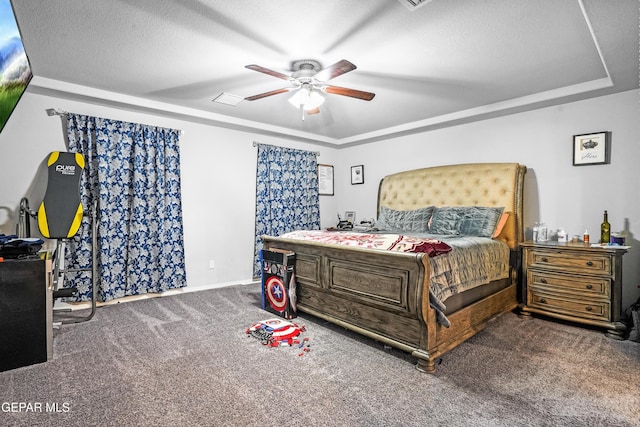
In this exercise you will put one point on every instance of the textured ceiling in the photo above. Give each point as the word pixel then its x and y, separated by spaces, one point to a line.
pixel 445 62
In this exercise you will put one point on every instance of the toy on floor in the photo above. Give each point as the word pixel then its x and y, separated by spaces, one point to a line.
pixel 277 332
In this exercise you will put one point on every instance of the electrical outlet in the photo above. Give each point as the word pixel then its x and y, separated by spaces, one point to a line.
pixel 212 264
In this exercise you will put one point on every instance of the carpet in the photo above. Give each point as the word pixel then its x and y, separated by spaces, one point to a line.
pixel 186 360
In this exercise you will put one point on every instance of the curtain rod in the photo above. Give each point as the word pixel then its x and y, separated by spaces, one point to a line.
pixel 317 153
pixel 56 112
pixel 61 112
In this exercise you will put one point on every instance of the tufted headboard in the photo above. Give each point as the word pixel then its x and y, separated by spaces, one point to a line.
pixel 473 184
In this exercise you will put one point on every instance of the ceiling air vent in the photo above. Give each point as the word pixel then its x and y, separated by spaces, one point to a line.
pixel 228 99
pixel 414 4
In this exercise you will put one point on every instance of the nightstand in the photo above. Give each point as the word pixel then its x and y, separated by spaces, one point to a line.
pixel 575 282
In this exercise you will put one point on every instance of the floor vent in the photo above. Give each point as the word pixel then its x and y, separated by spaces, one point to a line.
pixel 414 4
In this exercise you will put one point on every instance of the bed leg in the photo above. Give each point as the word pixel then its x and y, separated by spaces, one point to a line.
pixel 425 361
pixel 522 313
pixel 427 366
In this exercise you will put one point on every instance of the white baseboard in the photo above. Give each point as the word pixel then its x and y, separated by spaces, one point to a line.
pixel 72 306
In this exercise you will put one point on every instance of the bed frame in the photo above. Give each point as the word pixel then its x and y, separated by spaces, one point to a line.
pixel 384 295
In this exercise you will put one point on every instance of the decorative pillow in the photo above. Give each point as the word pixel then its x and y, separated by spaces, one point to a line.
pixel 466 220
pixel 406 221
pixel 446 220
pixel 480 221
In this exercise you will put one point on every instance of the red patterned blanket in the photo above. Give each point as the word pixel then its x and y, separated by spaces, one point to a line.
pixel 388 242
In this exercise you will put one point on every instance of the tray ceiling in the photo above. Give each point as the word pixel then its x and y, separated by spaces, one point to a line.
pixel 443 63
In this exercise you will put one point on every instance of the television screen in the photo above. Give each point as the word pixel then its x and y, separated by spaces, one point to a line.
pixel 15 71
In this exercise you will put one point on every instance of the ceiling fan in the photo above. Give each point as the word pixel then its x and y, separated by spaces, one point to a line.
pixel 308 79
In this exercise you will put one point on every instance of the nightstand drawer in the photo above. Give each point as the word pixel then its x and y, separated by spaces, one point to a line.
pixel 578 285
pixel 598 310
pixel 570 262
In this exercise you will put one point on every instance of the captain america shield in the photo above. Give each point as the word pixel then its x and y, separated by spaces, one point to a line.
pixel 276 293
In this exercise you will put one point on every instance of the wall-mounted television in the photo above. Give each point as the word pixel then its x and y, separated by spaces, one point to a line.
pixel 15 70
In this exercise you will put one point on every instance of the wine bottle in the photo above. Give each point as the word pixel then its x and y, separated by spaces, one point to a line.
pixel 605 230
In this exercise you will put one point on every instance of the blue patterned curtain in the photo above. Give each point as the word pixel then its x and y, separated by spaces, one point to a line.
pixel 286 194
pixel 134 172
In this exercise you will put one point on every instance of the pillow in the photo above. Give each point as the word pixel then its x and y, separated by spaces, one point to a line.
pixel 407 221
pixel 466 220
pixel 445 220
pixel 480 221
pixel 501 223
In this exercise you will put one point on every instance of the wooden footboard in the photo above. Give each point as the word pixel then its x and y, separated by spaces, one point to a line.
pixel 376 292
pixel 382 295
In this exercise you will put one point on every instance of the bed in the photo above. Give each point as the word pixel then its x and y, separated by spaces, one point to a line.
pixel 387 295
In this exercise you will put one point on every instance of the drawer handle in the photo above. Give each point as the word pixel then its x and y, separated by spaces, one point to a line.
pixel 545 259
pixel 543 301
pixel 589 309
pixel 543 280
pixel 590 263
pixel 589 286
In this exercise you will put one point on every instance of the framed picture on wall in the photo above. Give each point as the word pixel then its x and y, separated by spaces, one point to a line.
pixel 325 180
pixel 357 174
pixel 591 149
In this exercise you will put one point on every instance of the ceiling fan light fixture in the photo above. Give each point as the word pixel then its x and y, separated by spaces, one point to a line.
pixel 306 98
pixel 308 82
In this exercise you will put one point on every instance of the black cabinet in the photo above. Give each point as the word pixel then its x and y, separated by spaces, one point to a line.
pixel 25 313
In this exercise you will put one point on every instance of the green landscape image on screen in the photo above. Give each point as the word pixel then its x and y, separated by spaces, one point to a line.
pixel 15 71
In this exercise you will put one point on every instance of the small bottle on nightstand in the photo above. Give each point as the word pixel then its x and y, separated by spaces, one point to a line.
pixel 585 237
pixel 605 230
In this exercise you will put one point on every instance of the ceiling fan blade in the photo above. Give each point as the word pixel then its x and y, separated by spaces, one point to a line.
pixel 260 69
pixel 265 94
pixel 334 70
pixel 336 90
